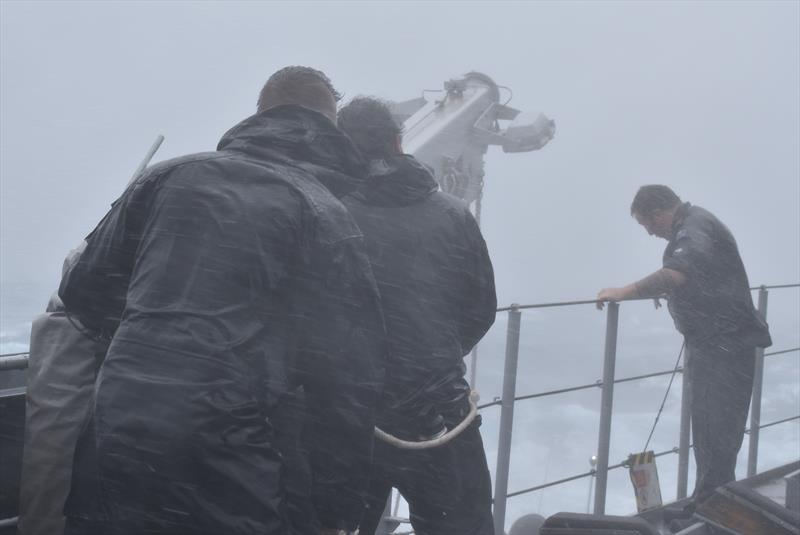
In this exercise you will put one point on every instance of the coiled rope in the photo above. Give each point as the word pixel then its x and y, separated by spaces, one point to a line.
pixel 434 442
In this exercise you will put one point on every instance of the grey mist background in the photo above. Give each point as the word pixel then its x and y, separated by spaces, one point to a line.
pixel 703 96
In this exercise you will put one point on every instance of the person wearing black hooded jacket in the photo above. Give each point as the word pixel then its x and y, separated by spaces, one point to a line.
pixel 438 296
pixel 226 281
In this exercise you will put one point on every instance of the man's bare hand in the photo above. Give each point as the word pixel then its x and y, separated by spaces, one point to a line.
pixel 609 294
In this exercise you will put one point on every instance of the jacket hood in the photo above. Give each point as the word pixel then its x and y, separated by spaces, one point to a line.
pixel 397 181
pixel 304 138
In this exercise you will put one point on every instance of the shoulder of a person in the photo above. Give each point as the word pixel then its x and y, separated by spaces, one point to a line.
pixel 450 202
pixel 700 219
pixel 204 172
pixel 332 220
pixel 165 167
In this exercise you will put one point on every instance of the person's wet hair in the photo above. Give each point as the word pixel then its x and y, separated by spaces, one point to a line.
pixel 299 86
pixel 369 123
pixel 653 197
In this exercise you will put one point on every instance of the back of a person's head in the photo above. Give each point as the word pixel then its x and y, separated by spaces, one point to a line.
pixel 369 123
pixel 299 86
pixel 654 197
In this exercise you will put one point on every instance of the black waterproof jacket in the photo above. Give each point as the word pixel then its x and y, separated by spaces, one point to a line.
pixel 437 289
pixel 716 299
pixel 225 280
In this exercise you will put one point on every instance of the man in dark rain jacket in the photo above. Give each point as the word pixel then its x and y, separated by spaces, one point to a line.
pixel 710 302
pixel 437 290
pixel 225 280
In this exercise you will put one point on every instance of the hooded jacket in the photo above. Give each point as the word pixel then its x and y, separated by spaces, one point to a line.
pixel 437 290
pixel 225 280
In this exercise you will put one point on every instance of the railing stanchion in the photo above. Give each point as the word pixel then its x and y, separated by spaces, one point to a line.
pixel 758 381
pixel 473 368
pixel 612 322
pixel 506 419
pixel 384 526
pixel 685 426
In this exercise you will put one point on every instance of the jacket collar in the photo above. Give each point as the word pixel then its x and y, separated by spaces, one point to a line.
pixel 680 216
pixel 302 137
pixel 399 180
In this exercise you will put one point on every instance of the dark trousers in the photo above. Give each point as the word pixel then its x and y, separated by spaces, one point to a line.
pixel 448 489
pixel 721 384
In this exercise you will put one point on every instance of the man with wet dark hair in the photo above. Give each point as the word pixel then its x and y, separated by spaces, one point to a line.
pixel 225 281
pixel 300 86
pixel 437 291
pixel 709 299
pixel 370 125
pixel 654 197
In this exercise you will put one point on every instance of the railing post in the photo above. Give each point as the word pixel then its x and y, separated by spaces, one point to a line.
pixel 384 526
pixel 758 381
pixel 506 419
pixel 473 368
pixel 685 426
pixel 612 321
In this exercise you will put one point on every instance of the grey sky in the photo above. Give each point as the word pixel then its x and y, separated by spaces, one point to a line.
pixel 702 96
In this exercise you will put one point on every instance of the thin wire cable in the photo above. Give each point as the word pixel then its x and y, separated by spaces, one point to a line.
pixel 666 394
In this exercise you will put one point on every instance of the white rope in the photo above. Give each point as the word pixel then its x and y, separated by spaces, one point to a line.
pixel 438 441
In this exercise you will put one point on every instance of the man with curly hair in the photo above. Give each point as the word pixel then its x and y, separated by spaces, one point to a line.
pixel 437 289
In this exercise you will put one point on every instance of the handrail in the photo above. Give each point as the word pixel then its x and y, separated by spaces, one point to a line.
pixel 15 361
pixel 596 384
pixel 625 463
pixel 607 384
pixel 516 306
pixel 580 476
pixel 747 431
pixel 781 352
pixel 599 383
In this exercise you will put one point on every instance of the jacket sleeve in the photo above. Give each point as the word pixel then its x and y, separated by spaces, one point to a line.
pixel 341 366
pixel 480 301
pixel 94 283
pixel 692 252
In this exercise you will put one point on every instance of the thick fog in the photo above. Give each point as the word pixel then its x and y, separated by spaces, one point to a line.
pixel 703 97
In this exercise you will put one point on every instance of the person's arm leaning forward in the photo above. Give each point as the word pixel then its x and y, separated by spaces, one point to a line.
pixel 657 283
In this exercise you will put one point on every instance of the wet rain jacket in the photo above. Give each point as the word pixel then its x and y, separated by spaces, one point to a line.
pixel 716 299
pixel 225 280
pixel 437 289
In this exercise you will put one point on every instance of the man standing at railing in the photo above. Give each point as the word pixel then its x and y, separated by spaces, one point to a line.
pixel 709 299
pixel 437 289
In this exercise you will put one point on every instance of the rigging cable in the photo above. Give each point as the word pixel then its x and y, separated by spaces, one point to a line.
pixel 666 394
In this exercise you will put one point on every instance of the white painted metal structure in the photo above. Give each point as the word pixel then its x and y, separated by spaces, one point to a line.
pixel 452 132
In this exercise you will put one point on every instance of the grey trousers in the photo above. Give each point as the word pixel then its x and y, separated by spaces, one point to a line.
pixel 61 374
pixel 721 385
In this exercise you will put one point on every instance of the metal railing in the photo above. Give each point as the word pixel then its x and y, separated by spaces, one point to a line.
pixel 19 361
pixel 509 398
